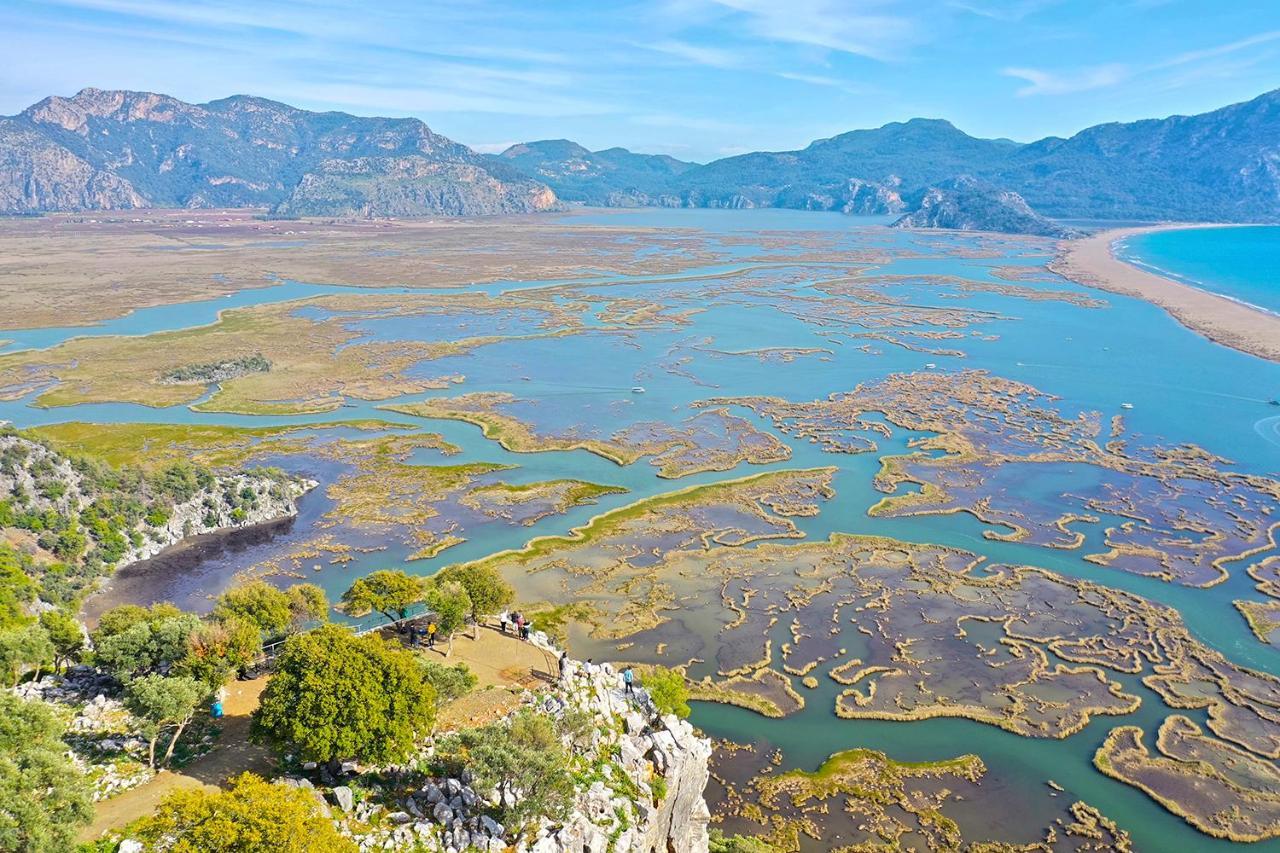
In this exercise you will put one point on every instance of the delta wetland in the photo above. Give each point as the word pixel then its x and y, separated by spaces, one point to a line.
pixel 955 553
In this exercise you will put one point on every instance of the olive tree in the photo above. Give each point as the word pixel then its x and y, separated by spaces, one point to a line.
pixel 336 696
pixel 390 592
pixel 162 701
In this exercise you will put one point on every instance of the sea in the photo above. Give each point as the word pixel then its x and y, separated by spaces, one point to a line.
pixel 1241 263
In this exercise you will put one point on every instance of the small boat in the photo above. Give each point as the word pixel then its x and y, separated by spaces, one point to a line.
pixel 1126 405
pixel 1276 401
pixel 931 365
pixel 639 389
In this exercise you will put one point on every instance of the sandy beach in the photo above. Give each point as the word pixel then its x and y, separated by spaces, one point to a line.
pixel 1091 261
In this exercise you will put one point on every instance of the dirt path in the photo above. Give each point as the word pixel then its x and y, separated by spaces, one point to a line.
pixel 503 665
pixel 234 754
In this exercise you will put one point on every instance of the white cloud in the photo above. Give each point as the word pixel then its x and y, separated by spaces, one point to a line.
pixel 861 27
pixel 1192 65
pixel 698 54
pixel 1084 80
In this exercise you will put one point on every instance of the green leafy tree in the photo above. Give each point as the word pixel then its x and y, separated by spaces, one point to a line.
pixel 390 592
pixel 450 682
pixel 258 602
pixel 337 696
pixel 307 603
pixel 162 701
pixel 489 591
pixel 17 589
pixel 44 799
pixel 523 760
pixel 24 647
pixel 217 649
pixel 66 634
pixel 138 641
pixel 252 816
pixel 668 690
pixel 449 601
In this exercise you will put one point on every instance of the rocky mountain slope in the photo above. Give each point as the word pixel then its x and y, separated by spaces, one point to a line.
pixel 968 204
pixel 1222 165
pixel 114 149
pixel 118 149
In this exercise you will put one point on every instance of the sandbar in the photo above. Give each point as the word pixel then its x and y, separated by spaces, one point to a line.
pixel 1091 261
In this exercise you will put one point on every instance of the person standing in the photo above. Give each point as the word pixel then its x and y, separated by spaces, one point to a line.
pixel 628 681
pixel 431 635
pixel 520 625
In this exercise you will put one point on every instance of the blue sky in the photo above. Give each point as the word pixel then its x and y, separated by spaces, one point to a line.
pixel 697 79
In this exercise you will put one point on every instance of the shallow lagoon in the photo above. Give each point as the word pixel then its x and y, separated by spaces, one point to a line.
pixel 1182 389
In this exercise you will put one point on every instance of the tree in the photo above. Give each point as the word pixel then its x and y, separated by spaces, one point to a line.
pixel 24 647
pixel 17 589
pixel 217 649
pixel 390 592
pixel 162 701
pixel 337 696
pixel 132 643
pixel 44 799
pixel 523 760
pixel 451 605
pixel 65 633
pixel 252 815
pixel 489 591
pixel 258 602
pixel 307 603
pixel 450 682
pixel 668 691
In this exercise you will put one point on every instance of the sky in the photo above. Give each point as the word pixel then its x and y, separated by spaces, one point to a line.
pixel 696 79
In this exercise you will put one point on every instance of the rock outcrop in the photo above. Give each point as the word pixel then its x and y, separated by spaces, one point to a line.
pixel 97 519
pixel 652 803
pixel 967 204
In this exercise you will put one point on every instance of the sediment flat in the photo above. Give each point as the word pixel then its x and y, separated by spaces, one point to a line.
pixel 1091 261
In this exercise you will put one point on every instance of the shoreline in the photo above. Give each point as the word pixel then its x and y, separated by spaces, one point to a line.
pixel 1092 261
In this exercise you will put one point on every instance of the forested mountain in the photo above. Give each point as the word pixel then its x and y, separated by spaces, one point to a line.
pixel 613 177
pixel 1222 165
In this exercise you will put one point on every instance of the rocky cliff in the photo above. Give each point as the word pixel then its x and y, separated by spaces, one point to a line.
pixel 967 204
pixel 120 149
pixel 644 793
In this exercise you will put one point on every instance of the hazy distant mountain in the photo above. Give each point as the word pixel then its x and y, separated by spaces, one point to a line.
pixel 968 204
pixel 131 149
pixel 1223 165
pixel 614 177
pixel 128 149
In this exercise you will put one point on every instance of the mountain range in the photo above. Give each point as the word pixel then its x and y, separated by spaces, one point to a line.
pixel 117 149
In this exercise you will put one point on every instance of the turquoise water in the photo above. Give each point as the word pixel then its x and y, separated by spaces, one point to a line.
pixel 1181 389
pixel 1242 263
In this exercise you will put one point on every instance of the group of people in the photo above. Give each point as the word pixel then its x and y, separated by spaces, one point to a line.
pixel 589 665
pixel 518 622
